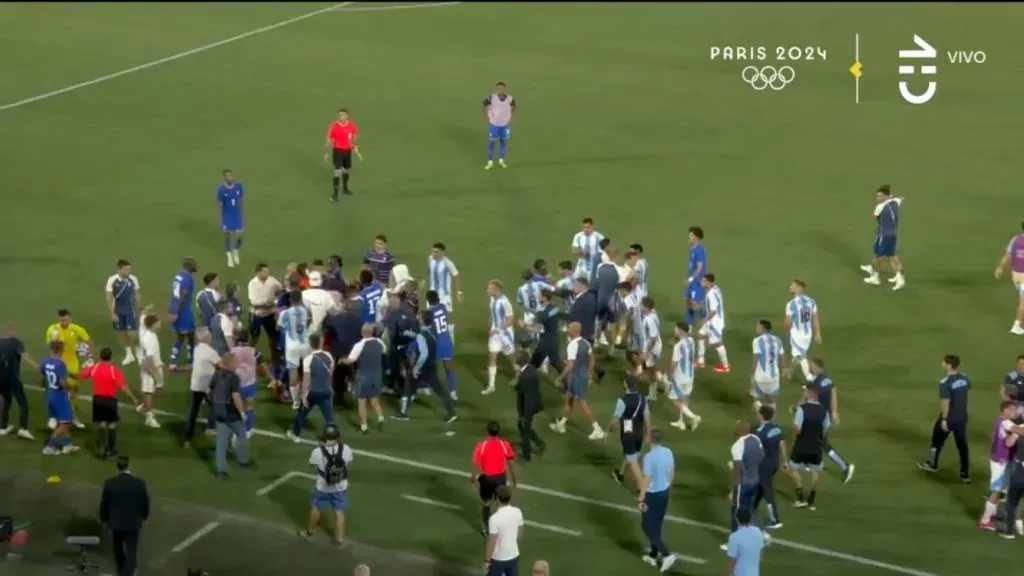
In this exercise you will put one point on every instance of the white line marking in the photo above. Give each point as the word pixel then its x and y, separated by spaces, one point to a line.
pixel 429 502
pixel 276 483
pixel 399 7
pixel 181 546
pixel 852 558
pixel 553 528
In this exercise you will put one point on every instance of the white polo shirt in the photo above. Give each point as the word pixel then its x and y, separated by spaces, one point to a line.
pixel 505 523
pixel 204 364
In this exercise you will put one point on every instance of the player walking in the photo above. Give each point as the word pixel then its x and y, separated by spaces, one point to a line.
pixel 698 267
pixel 123 297
pixel 681 380
pixel 1014 258
pixel 341 142
pixel 183 320
pixel 499 108
pixel 586 245
pixel 441 328
pixel 1002 445
pixel 714 326
pixel 58 405
pixel 803 325
pixel 650 351
pixel 229 195
pixel 294 324
pixel 501 336
pixel 638 265
pixel 443 278
pixel 887 219
pixel 765 378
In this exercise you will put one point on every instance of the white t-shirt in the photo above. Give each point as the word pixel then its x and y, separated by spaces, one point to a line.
pixel 505 523
pixel 150 346
pixel 204 364
pixel 316 458
pixel 319 302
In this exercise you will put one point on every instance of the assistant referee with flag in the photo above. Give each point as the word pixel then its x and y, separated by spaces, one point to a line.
pixel 494 460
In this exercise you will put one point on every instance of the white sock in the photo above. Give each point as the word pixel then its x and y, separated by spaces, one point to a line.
pixel 618 340
pixel 685 410
pixel 990 511
pixel 451 332
pixel 295 394
pixel 234 254
pixel 128 352
pixel 597 427
pixel 701 349
pixel 722 356
pixel 806 367
pixel 899 275
pixel 492 374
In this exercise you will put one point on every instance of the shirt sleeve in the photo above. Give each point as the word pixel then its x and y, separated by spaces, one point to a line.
pixel 878 208
pixel 80 332
pixel 737 451
pixel 944 391
pixel 346 454
pixel 110 281
pixel 620 408
pixel 307 362
pixel 353 355
pixel 314 457
pixel 798 417
pixel 570 350
pixel 421 347
pixel 648 465
pixel 734 547
pixel 492 526
pixel 119 378
pixel 1009 247
pixel 135 282
pixel 757 352
pixel 451 268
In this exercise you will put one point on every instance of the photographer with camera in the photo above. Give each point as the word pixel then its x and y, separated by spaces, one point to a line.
pixel 331 459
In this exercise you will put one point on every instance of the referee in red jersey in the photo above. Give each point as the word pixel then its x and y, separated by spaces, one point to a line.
pixel 341 142
pixel 107 380
pixel 493 458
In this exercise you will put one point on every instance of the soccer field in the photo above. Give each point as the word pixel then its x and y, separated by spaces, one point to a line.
pixel 623 116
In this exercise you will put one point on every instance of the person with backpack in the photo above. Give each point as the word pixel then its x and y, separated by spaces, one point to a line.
pixel 331 460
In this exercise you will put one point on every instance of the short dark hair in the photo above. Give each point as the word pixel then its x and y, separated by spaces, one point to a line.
pixel 697 231
pixel 523 357
pixel 604 243
pixel 588 220
pixel 766 411
pixel 953 360
pixel 625 286
pixel 340 110
pixel 242 337
pixel 1021 357
pixel 150 320
pixel 766 324
pixel 301 268
pixel 565 265
pixel 800 283
pixel 314 341
pixel 527 273
pixel 743 515
pixel 1005 405
pixel 440 246
pixel 209 277
pixel 547 294
pixel 261 266
pixel 336 258
pixel 123 463
pixel 493 428
pixel 500 83
pixel 365 277
pixel 381 237
pixel 294 298
pixel 710 278
pixel 1022 225
pixel 647 302
pixel 433 298
pixel 106 354
pixel 819 362
pixel 122 263
pixel 318 262
pixel 683 326
pixel 540 264
pixel 503 494
pixel 225 172
pixel 638 247
pixel 63 312
pixel 885 189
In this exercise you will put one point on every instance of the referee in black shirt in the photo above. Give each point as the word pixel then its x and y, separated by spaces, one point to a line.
pixel 953 391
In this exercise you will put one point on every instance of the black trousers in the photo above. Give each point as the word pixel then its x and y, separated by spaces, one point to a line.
pixel 13 391
pixel 547 351
pixel 126 551
pixel 766 491
pixel 195 403
pixel 1014 493
pixel 959 432
pixel 528 435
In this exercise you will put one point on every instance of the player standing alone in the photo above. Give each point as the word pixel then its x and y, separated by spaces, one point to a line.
pixel 341 142
pixel 887 219
pixel 498 109
pixel 229 196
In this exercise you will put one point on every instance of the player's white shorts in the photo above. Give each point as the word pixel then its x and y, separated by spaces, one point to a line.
pixel 149 384
pixel 999 478
pixel 680 388
pixel 765 387
pixel 713 332
pixel 500 342
pixel 294 353
pixel 799 344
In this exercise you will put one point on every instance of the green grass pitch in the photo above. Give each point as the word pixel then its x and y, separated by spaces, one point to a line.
pixel 623 117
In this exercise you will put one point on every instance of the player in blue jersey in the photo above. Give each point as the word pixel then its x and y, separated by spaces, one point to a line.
pixel 444 347
pixel 887 220
pixel 123 297
pixel 58 404
pixel 697 268
pixel 370 292
pixel 183 319
pixel 230 193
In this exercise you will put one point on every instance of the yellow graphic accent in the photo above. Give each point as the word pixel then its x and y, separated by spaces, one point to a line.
pixel 856 69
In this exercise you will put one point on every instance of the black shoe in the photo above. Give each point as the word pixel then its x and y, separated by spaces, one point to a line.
pixel 524 459
pixel 334 197
pixel 540 450
pixel 618 476
pixel 347 192
pixel 965 479
pixel 222 475
pixel 927 467
pixel 250 465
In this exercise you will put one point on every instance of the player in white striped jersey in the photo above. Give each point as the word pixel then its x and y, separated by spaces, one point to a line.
pixel 631 328
pixel 501 335
pixel 638 264
pixel 443 278
pixel 528 297
pixel 714 325
pixel 586 246
pixel 680 380
pixel 803 326
pixel 765 378
pixel 650 352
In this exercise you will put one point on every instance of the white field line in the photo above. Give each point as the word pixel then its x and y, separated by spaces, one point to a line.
pixel 777 542
pixel 429 502
pixel 200 49
pixel 276 483
pixel 195 537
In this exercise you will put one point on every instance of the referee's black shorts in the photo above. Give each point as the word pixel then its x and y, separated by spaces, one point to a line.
pixel 488 484
pixel 342 159
pixel 104 410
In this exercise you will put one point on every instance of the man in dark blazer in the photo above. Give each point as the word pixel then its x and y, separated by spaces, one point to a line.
pixel 124 507
pixel 528 404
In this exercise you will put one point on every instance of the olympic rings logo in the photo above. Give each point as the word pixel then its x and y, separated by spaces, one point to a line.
pixel 768 77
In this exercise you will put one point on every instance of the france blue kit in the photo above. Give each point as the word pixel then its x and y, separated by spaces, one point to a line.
pixel 698 267
pixel 371 295
pixel 439 326
pixel 55 374
pixel 182 287
pixel 229 196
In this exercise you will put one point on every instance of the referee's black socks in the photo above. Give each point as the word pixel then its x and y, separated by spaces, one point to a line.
pixel 111 440
pixel 101 440
pixel 334 182
pixel 344 182
pixel 485 514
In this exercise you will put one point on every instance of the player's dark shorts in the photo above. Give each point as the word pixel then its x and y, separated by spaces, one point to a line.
pixel 805 461
pixel 606 313
pixel 488 484
pixel 104 410
pixel 631 447
pixel 885 246
pixel 342 159
pixel 126 322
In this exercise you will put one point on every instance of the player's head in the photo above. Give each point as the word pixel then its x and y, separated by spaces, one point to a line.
pixel 764 327
pixel 64 317
pixel 433 298
pixel 494 287
pixel 741 428
pixel 1007 409
pixel 493 429
pixel 573 329
pixel 380 242
pixel 262 271
pixel 106 354
pixel 242 337
pixel 316 279
pixel 318 265
pixel 293 282
pixel 605 244
pixel 151 322
pixel 362 570
pixel 797 286
pixel 588 226
pixel 229 362
pixel 951 362
pixel 124 268
pixel 231 290
pixel 696 234
pixel 682 330
pixel 817 365
pixel 334 261
pixel 365 277
pixel 343 115
pixel 437 250
pixel 56 347
pixel 211 280
pixel 625 288
pixel 884 192
pixel 367 330
pixel 295 298
pixel 229 177
pixel 351 291
pixel 501 89
pixel 632 256
pixel 225 307
pixel 565 267
pixel 580 285
pixel 647 303
pixel 302 269
pixel 1020 363
pixel 708 281
pixel 638 248
pixel 526 274
pixel 189 264
pixel 765 413
pixel 315 341
pixel 540 266
pixel 290 268
pixel 545 296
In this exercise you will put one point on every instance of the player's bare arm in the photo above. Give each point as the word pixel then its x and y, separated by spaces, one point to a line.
pixel 567 370
pixel 512 472
pixel 110 304
pixel 816 325
pixel 835 406
pixel 1004 263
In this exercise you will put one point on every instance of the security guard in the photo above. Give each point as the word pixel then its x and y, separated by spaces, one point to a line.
pixel 811 422
pixel 633 416
pixel 546 323
pixel 773 445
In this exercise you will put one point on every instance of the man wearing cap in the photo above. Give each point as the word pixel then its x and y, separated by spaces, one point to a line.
pixel 318 300
pixel 331 460
pixel 658 468
pixel 633 416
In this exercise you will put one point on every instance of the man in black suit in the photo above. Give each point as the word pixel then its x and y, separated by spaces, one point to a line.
pixel 528 404
pixel 124 507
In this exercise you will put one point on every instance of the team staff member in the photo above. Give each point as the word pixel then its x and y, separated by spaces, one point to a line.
pixel 774 446
pixel 263 290
pixel 342 330
pixel 1015 491
pixel 633 416
pixel 124 508
pixel 952 417
pixel 494 459
pixel 72 336
pixel 529 403
pixel 747 454
pixel 659 469
pixel 12 352
pixel 546 323
pixel 812 423
pixel 107 381
pixel 341 142
pixel 204 364
pixel 368 357
pixel 745 546
pixel 504 529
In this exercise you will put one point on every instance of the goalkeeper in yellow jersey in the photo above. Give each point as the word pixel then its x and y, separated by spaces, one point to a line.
pixel 76 344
